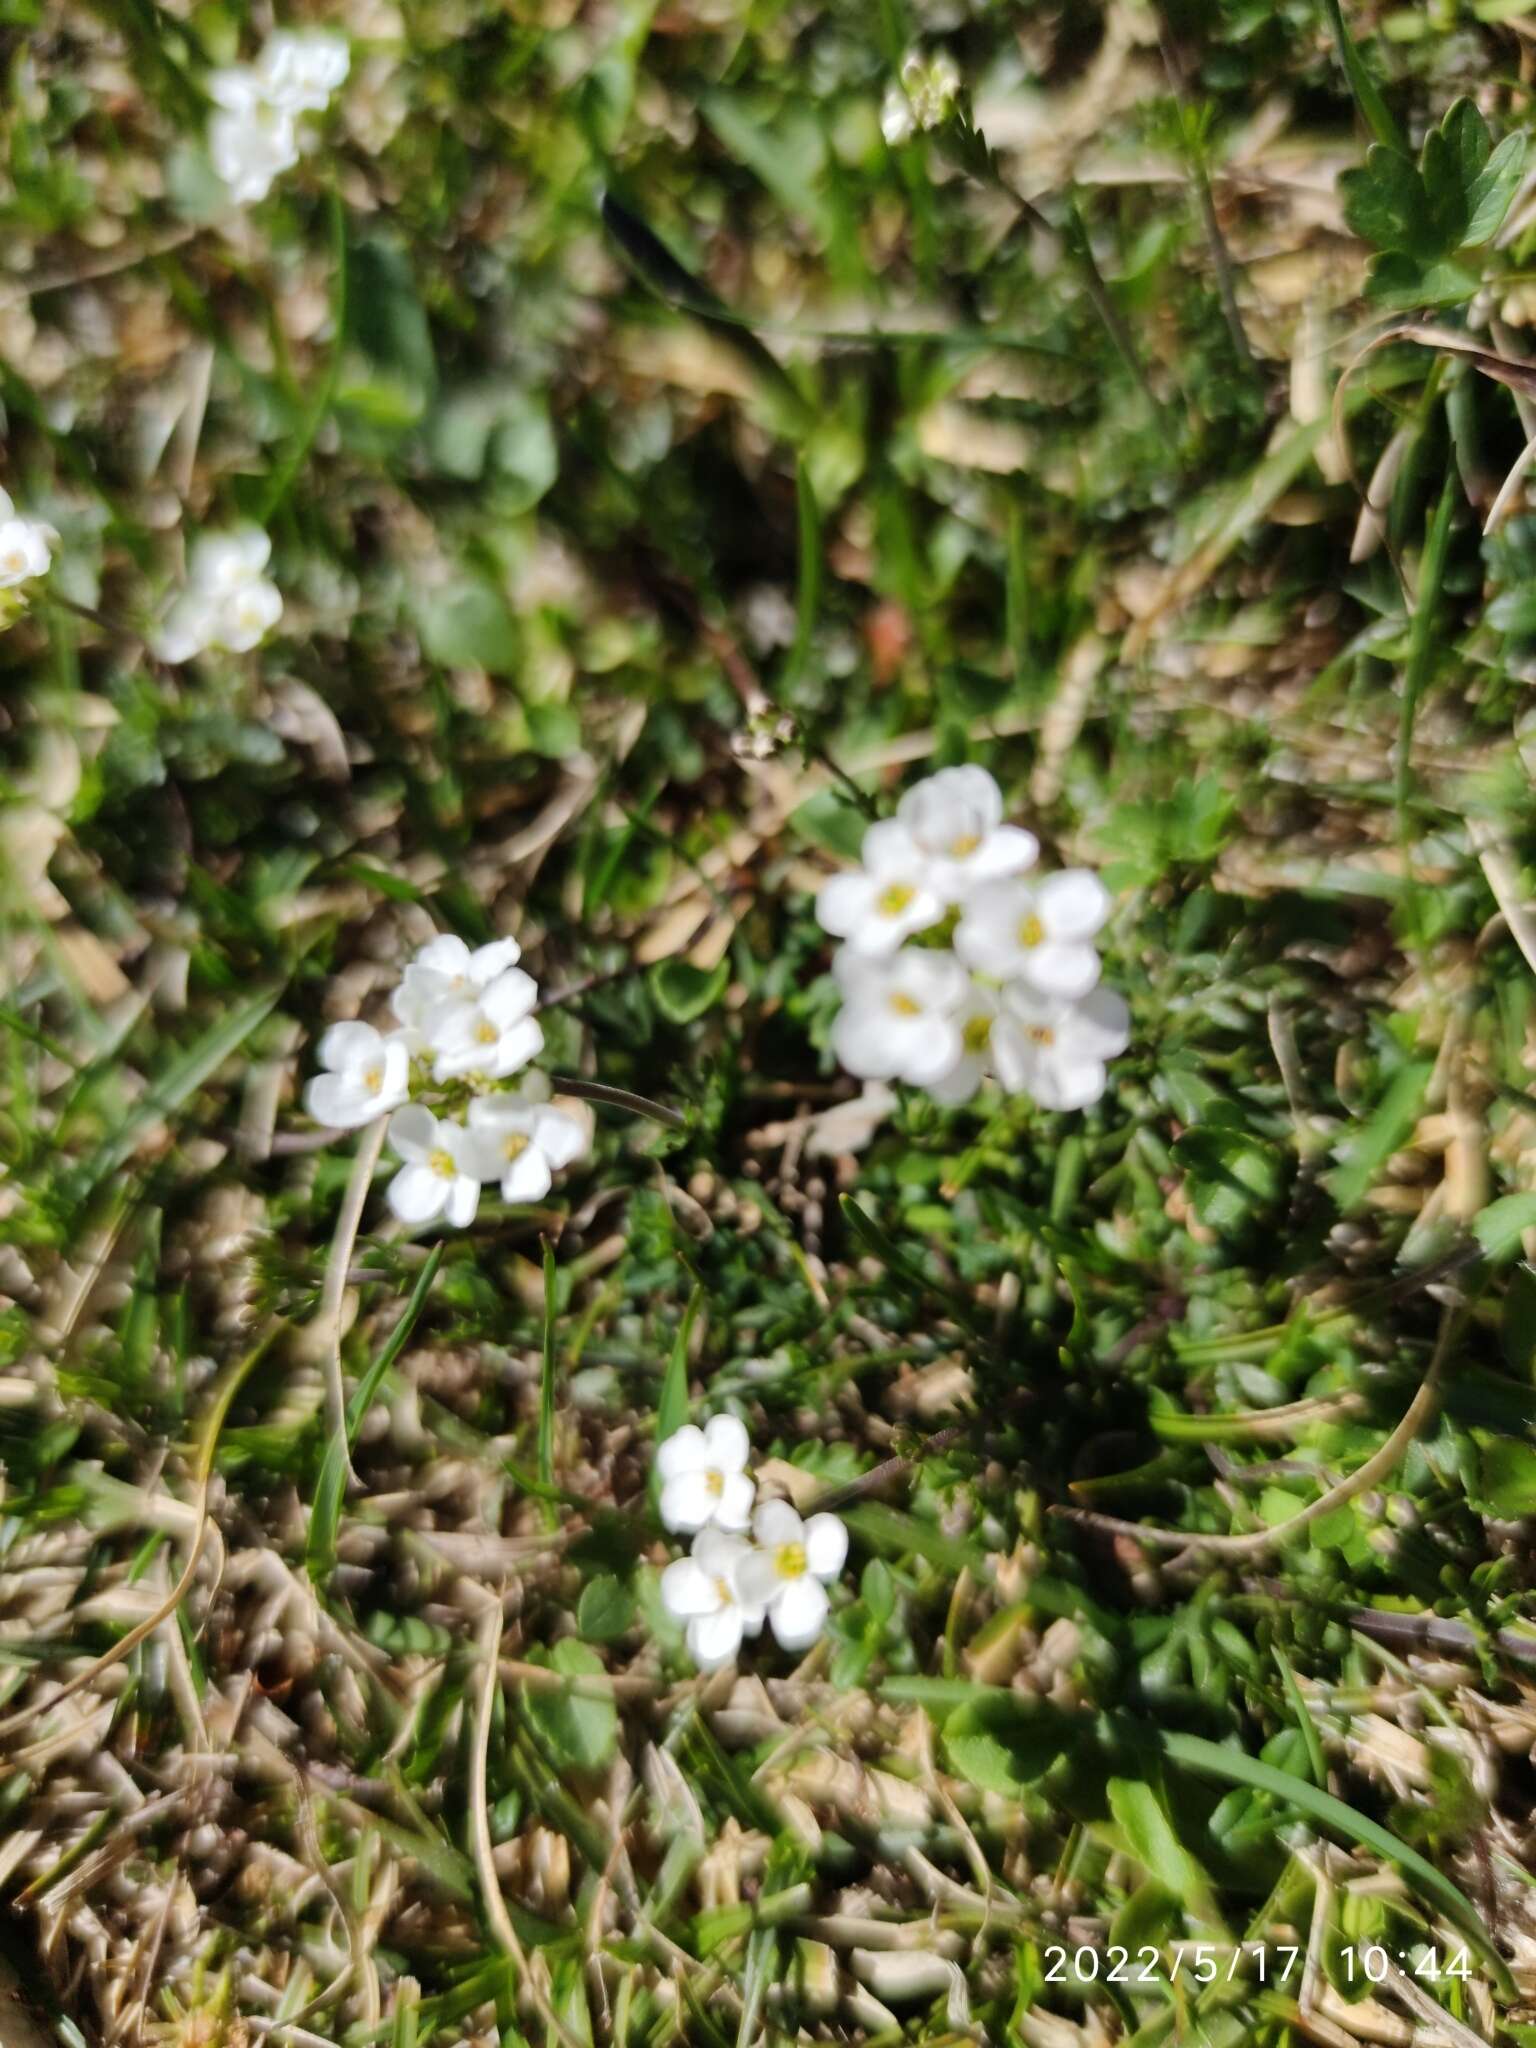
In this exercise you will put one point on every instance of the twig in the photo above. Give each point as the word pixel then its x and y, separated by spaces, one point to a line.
pixel 1221 255
pixel 619 1098
pixel 1254 1542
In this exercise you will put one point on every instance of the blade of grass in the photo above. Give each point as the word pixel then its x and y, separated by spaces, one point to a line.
pixel 1373 107
pixel 547 1369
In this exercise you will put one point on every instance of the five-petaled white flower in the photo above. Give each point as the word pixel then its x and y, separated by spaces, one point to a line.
pixel 227 602
pixel 955 819
pixel 1065 1044
pixel 701 1590
pixel 1039 933
pixel 26 546
pixel 898 1020
pixel 438 1178
pixel 367 1076
pixel 992 1043
pixel 704 1477
pixel 522 1140
pixel 786 1573
pixel 891 896
pixel 300 69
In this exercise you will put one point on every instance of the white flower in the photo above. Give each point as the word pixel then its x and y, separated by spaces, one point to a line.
pixel 931 85
pixel 992 1042
pixel 492 1032
pixel 300 69
pixel 445 974
pixel 251 139
pixel 876 906
pixel 786 1573
pixel 701 1590
pixel 955 820
pixel 704 1477
pixel 435 1179
pixel 367 1076
pixel 1065 1044
pixel 227 603
pixel 898 1020
pixel 522 1141
pixel 898 124
pixel 26 547
pixel 1039 933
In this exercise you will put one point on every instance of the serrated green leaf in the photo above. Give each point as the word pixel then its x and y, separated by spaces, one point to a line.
pixel 1385 203
pixel 1490 195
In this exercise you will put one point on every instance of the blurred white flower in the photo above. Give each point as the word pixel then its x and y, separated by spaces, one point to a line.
pixel 366 1076
pixel 26 546
pixel 786 1573
pixel 251 139
pixel 925 97
pixel 703 1476
pixel 1065 1044
pixel 227 602
pixel 991 1044
pixel 955 819
pixel 878 905
pixel 521 1140
pixel 299 69
pixel 436 1179
pixel 1039 933
pixel 701 1590
pixel 490 1032
pixel 898 1020
pixel 445 974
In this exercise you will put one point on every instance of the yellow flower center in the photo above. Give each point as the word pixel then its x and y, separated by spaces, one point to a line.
pixel 893 901
pixel 977 1035
pixel 486 1032
pixel 1031 931
pixel 714 1483
pixel 442 1163
pixel 1039 1034
pixel 789 1560
pixel 514 1145
pixel 966 844
pixel 373 1080
pixel 905 1007
pixel 724 1594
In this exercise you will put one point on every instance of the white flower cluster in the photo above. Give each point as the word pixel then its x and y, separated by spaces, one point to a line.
pixel 253 135
pixel 228 602
pixel 26 546
pixel 1015 994
pixel 924 98
pixel 732 1580
pixel 466 1022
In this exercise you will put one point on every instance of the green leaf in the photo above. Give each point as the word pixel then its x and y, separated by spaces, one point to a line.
pixel 1385 203
pixel 1491 192
pixel 1002 1745
pixel 606 1610
pixel 672 1407
pixel 1234 1177
pixel 496 429
pixel 581 1732
pixel 1517 1333
pixel 1368 1147
pixel 1139 1814
pixel 683 993
pixel 1365 89
pixel 1499 1227
pixel 1506 1477
pixel 468 625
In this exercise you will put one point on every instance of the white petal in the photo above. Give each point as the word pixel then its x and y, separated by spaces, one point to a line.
pixel 890 850
pixel 412 1131
pixel 843 903
pixel 1010 850
pixel 447 955
pixel 862 1042
pixel 463 1201
pixel 714 1639
pixel 960 1083
pixel 561 1138
pixel 339 1101
pixel 682 1451
pixel 727 1442
pixel 826 1545
pixel 1065 968
pixel 776 1523
pixel 733 1510
pixel 527 1178
pixel 688 1589
pixel 1073 904
pixel 928 1047
pixel 686 1502
pixel 932 977
pixel 798 1614
pixel 348 1045
pixel 508 996
pixel 416 1194
pixel 487 962
pixel 719 1552
pixel 1012 1054
pixel 1101 1023
pixel 1066 1083
pixel 185 631
pixel 756 1579
pixel 515 1048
